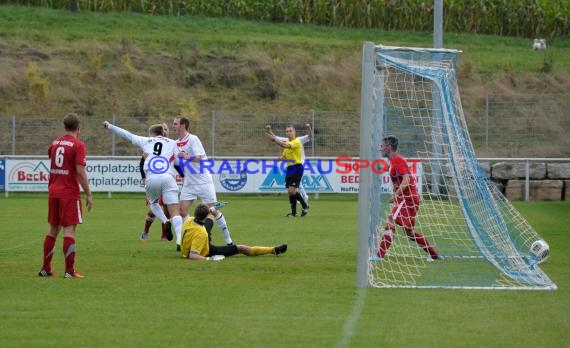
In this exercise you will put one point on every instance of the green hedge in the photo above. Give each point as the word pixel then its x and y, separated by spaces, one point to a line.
pixel 525 18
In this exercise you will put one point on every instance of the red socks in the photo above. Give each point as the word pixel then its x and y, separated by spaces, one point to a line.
pixel 422 241
pixel 388 237
pixel 386 241
pixel 385 244
pixel 69 253
pixel 148 221
pixel 49 247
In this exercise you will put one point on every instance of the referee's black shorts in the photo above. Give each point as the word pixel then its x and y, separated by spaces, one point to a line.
pixel 294 175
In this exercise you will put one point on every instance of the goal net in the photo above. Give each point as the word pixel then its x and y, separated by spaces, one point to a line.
pixel 484 242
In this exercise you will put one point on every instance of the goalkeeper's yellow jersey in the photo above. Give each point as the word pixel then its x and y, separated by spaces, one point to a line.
pixel 295 153
pixel 194 238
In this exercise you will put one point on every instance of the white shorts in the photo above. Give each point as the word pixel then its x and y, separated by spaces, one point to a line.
pixel 165 185
pixel 206 192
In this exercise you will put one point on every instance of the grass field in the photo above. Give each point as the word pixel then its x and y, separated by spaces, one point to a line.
pixel 143 294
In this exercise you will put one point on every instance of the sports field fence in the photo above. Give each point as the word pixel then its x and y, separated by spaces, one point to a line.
pixel 500 125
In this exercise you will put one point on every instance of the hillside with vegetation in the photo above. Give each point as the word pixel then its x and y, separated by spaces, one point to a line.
pixel 100 64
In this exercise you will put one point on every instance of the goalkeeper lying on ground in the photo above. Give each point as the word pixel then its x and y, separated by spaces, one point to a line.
pixel 196 240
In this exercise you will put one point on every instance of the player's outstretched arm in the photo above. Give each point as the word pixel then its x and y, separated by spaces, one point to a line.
pixel 309 130
pixel 119 131
pixel 269 135
pixel 268 129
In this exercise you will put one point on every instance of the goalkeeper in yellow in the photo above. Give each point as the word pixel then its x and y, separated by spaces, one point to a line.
pixel 196 244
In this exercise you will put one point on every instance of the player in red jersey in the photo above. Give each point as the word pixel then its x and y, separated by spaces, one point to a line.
pixel 67 172
pixel 406 201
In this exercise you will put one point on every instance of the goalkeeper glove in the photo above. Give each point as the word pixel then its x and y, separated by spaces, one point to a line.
pixel 217 206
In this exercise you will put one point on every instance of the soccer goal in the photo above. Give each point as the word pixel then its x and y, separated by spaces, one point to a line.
pixel 485 242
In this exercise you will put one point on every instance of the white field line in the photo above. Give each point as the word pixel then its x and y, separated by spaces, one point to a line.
pixel 352 321
pixel 13 247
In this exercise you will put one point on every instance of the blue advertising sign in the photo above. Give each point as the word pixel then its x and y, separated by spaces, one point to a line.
pixel 2 175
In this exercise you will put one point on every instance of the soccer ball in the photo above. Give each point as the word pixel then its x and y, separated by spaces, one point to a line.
pixel 540 250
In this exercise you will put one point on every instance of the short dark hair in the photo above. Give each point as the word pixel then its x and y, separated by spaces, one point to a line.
pixel 156 129
pixel 184 121
pixel 391 141
pixel 201 213
pixel 71 122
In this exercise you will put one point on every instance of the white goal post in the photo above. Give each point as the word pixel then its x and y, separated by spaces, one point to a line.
pixel 484 242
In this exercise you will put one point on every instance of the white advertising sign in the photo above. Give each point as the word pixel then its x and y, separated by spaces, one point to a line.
pixel 340 175
pixel 110 175
pixel 327 175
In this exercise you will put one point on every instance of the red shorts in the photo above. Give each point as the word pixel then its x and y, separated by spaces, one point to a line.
pixel 404 213
pixel 64 212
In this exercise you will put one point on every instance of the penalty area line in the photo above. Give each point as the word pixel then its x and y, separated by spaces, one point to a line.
pixel 20 245
pixel 352 320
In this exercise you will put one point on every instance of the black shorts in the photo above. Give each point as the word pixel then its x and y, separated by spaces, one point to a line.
pixel 294 175
pixel 226 250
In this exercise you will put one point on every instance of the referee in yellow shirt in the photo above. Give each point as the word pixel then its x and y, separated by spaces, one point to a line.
pixel 293 154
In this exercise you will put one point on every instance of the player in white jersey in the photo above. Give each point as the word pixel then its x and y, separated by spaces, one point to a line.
pixel 150 215
pixel 159 170
pixel 198 183
pixel 304 139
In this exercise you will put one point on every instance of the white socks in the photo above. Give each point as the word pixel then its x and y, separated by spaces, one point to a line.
pixel 303 193
pixel 221 220
pixel 176 222
pixel 157 211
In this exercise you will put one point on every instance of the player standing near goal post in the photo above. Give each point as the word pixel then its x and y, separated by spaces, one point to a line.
pixel 293 156
pixel 303 139
pixel 406 201
pixel 68 157
pixel 160 175
pixel 198 183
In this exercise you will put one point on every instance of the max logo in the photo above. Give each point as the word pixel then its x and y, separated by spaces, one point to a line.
pixel 311 182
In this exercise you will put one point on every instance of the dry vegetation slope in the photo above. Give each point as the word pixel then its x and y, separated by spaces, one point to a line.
pixel 95 78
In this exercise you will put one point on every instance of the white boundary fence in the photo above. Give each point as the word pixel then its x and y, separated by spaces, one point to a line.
pixel 265 174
